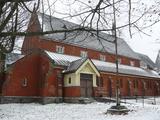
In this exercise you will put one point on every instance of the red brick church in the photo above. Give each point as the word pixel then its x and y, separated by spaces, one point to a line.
pixel 70 66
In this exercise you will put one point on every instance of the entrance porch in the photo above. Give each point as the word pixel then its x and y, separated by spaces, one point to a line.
pixel 80 79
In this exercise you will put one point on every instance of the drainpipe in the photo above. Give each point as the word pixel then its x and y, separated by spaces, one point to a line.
pixel 62 87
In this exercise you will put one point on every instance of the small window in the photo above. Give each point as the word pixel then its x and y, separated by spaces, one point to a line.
pixel 102 57
pixel 132 63
pixel 99 81
pixel 136 83
pixel 119 60
pixel 83 54
pixel 60 49
pixel 121 83
pixel 148 84
pixel 144 85
pixel 69 80
pixel 24 82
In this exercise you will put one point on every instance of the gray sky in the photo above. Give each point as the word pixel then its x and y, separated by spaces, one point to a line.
pixel 149 45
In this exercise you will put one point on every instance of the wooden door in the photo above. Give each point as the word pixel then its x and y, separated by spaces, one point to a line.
pixel 86 83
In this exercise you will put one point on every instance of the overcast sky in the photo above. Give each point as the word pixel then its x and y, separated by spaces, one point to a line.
pixel 149 45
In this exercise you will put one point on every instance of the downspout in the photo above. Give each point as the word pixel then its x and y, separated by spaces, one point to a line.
pixel 62 87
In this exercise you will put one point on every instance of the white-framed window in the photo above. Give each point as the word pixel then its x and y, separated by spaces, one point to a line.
pixel 102 57
pixel 119 60
pixel 60 49
pixel 24 82
pixel 132 63
pixel 83 54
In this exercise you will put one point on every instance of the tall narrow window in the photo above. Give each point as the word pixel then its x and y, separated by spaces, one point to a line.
pixel 121 83
pixel 99 81
pixel 137 83
pixel 83 54
pixel 59 49
pixel 134 83
pixel 102 57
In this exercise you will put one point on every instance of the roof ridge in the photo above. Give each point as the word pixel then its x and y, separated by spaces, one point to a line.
pixel 78 39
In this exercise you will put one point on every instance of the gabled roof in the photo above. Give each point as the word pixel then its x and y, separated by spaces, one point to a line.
pixel 83 38
pixel 65 60
pixel 75 65
pixel 146 60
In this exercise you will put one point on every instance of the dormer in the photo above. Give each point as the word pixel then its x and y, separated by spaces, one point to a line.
pixel 143 65
pixel 146 62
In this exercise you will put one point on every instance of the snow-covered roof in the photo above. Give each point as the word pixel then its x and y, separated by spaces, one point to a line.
pixel 12 57
pixel 146 60
pixel 65 60
pixel 83 38
pixel 73 66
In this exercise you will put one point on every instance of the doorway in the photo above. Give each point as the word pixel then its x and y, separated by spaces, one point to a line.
pixel 86 84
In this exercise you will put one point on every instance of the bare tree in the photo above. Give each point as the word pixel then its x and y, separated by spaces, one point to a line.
pixel 92 16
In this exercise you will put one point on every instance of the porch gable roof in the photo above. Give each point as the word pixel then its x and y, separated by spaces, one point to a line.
pixel 79 64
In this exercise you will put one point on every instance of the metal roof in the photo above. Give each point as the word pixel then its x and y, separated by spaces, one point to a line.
pixel 146 60
pixel 65 60
pixel 83 38
pixel 73 66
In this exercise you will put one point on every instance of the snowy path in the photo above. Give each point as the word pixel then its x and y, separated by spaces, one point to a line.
pixel 94 111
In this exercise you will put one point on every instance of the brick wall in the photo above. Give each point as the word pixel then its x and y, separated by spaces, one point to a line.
pixel 127 85
pixel 41 76
pixel 32 43
pixel 72 91
pixel 25 68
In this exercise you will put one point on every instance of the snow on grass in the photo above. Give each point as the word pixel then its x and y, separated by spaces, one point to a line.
pixel 64 111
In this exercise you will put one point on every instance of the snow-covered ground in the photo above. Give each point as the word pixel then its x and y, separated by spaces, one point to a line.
pixel 93 111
